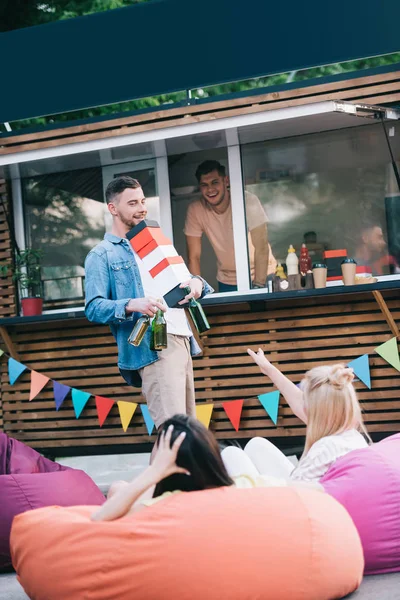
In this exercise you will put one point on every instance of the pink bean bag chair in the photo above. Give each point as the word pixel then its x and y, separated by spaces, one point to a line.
pixel 28 480
pixel 367 483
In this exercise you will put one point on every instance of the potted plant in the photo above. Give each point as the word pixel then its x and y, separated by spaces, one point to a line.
pixel 28 274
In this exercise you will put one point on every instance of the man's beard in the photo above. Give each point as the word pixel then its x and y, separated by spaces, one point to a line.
pixel 220 201
pixel 129 222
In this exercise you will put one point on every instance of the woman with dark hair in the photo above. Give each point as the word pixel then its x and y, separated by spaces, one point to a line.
pixel 187 458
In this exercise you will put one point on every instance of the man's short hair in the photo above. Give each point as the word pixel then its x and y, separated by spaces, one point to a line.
pixel 119 185
pixel 208 166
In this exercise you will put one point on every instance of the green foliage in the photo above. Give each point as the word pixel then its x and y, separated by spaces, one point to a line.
pixel 15 14
pixel 4 269
pixel 28 271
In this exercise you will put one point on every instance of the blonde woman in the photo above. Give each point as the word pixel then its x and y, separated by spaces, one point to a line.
pixel 327 403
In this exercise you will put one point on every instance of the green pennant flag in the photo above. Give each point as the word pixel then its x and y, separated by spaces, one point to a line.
pixel 389 352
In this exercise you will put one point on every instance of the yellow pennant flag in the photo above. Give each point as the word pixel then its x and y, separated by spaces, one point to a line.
pixel 126 412
pixel 203 413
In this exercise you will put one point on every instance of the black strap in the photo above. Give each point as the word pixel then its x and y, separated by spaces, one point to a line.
pixel 394 165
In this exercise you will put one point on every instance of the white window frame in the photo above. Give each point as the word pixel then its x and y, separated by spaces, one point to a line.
pixel 159 137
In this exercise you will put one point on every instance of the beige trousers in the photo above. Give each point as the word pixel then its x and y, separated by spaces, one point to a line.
pixel 167 384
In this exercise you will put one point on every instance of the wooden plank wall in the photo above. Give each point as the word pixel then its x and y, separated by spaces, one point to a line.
pixel 7 290
pixel 296 335
pixel 383 88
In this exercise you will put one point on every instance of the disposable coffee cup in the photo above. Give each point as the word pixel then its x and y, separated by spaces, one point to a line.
pixel 319 273
pixel 349 267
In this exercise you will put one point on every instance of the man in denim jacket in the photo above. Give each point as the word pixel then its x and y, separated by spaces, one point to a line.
pixel 119 289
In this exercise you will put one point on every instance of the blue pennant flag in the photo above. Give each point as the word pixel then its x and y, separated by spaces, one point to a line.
pixel 147 418
pixel 79 400
pixel 270 402
pixel 360 367
pixel 15 369
pixel 60 393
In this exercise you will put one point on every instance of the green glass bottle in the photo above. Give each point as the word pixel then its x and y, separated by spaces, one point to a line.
pixel 139 330
pixel 159 332
pixel 197 313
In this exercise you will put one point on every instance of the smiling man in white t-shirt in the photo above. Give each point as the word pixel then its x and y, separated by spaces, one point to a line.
pixel 212 215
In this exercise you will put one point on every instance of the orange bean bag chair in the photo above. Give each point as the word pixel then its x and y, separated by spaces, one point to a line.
pixel 269 543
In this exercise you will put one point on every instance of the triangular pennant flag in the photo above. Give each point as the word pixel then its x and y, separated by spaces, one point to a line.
pixel 1 352
pixel 38 381
pixel 233 409
pixel 203 413
pixel 360 367
pixel 270 402
pixel 15 369
pixel 147 418
pixel 60 393
pixel 79 400
pixel 126 412
pixel 390 353
pixel 103 406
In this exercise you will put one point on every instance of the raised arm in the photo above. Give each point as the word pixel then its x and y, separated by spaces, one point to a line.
pixel 293 395
pixel 164 465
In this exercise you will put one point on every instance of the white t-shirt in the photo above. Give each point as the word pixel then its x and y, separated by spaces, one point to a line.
pixel 325 452
pixel 177 323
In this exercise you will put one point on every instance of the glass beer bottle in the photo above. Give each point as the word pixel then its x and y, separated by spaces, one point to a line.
pixel 159 332
pixel 139 330
pixel 197 313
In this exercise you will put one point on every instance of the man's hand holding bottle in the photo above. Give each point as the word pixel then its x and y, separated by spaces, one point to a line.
pixel 146 306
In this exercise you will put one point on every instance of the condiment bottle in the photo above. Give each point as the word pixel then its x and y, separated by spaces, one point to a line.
pixel 305 260
pixel 279 272
pixel 292 262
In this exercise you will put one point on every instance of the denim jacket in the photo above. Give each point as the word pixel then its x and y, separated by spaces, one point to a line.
pixel 112 278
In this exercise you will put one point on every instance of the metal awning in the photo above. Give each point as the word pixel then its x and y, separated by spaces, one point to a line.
pixel 246 128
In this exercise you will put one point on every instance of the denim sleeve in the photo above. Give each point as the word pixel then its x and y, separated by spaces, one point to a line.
pixel 99 308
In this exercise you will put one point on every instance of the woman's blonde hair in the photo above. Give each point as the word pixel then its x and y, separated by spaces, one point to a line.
pixel 330 403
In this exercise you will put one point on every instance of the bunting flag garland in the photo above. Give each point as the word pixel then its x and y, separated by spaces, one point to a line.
pixel 389 352
pixel 147 418
pixel 270 403
pixel 60 392
pixel 203 413
pixel 126 412
pixel 360 367
pixel 15 369
pixel 79 400
pixel 103 407
pixel 233 409
pixel 38 381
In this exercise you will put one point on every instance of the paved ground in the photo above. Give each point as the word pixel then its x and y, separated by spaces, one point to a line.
pixel 104 470
pixel 378 587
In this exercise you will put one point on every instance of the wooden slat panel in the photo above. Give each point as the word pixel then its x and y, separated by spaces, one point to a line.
pixel 381 88
pixel 296 334
pixel 7 290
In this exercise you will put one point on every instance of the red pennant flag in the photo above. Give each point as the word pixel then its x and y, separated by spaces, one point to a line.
pixel 38 381
pixel 233 409
pixel 103 405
